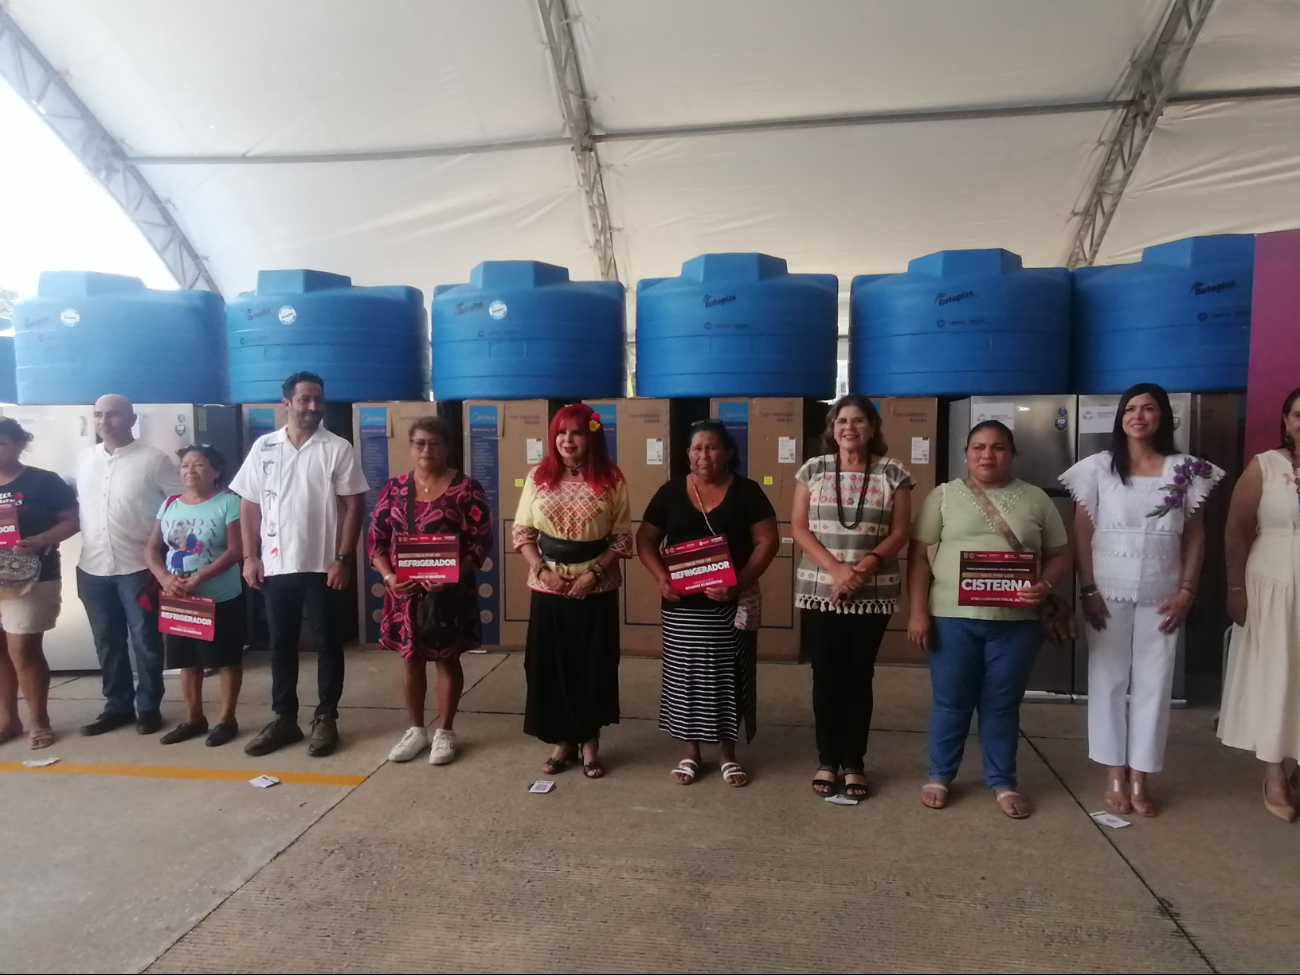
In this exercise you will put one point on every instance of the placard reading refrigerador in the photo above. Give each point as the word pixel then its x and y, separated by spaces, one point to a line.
pixel 9 536
pixel 704 563
pixel 428 558
pixel 192 616
pixel 996 578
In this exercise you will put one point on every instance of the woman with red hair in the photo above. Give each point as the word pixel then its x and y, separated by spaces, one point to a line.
pixel 573 525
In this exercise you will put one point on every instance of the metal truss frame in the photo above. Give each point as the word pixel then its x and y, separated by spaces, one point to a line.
pixel 45 90
pixel 576 103
pixel 1154 79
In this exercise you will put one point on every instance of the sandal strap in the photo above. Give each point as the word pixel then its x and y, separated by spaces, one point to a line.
pixel 936 786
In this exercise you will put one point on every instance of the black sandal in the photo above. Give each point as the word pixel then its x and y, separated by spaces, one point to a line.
pixel 855 790
pixel 593 770
pixel 554 766
pixel 825 787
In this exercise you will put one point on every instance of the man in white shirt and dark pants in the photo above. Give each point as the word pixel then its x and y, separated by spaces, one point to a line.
pixel 121 483
pixel 292 486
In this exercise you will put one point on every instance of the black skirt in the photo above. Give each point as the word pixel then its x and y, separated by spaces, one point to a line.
pixel 225 650
pixel 571 662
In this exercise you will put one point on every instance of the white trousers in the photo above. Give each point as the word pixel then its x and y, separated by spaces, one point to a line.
pixel 1130 678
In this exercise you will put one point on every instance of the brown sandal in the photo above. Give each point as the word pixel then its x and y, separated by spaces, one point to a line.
pixel 1008 808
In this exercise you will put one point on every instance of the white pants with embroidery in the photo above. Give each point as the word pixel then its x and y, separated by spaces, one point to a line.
pixel 1130 678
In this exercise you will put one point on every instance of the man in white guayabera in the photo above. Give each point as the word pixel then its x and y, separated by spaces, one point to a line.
pixel 298 551
pixel 121 483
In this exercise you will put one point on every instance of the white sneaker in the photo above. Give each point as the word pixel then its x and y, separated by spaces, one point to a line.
pixel 413 742
pixel 444 747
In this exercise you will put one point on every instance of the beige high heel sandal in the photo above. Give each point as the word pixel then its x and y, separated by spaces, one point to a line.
pixel 1117 800
pixel 1141 800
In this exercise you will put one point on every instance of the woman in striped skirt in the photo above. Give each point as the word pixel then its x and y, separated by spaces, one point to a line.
pixel 710 638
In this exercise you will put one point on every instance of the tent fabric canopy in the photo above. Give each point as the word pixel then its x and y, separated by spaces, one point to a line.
pixel 324 133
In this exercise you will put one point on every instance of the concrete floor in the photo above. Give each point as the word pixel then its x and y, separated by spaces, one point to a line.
pixel 168 861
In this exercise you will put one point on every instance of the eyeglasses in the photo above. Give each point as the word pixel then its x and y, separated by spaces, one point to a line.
pixel 423 445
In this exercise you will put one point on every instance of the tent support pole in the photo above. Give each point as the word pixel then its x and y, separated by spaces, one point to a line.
pixel 575 102
pixel 50 96
pixel 1153 79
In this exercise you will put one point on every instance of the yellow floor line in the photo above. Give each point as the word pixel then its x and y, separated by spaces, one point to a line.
pixel 177 772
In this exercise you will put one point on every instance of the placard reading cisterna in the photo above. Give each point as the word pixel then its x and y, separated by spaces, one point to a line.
pixel 996 578
pixel 428 558
pixel 704 563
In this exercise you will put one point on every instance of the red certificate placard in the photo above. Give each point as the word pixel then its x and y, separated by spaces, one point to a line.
pixel 428 558
pixel 702 564
pixel 9 525
pixel 996 578
pixel 192 616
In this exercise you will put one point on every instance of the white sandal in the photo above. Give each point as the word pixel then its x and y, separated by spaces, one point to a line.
pixel 941 788
pixel 688 767
pixel 1001 794
pixel 731 771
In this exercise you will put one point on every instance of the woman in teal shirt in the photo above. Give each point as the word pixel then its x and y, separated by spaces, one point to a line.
pixel 196 550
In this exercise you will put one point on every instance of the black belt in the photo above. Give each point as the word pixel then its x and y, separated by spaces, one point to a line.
pixel 565 552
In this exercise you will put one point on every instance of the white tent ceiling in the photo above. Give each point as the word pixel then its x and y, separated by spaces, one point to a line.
pixel 246 118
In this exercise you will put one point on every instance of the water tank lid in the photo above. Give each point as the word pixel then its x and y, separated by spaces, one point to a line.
pixel 499 275
pixel 1209 249
pixel 734 267
pixel 85 284
pixel 299 281
pixel 966 263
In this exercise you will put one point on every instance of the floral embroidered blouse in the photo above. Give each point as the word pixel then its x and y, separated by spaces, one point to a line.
pixel 573 512
pixel 1137 551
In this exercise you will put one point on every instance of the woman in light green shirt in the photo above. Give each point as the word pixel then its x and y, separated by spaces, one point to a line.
pixel 980 655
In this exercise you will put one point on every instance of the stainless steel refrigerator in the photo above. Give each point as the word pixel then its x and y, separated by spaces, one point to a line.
pixel 60 434
pixel 1207 425
pixel 1045 432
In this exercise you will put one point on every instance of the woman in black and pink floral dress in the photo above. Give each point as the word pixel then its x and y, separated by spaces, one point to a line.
pixel 444 502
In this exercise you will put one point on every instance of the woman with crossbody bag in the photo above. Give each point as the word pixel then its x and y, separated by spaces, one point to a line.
pixel 429 621
pixel 985 554
pixel 38 510
pixel 710 640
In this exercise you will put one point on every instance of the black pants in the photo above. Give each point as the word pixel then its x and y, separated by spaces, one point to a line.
pixel 843 648
pixel 286 596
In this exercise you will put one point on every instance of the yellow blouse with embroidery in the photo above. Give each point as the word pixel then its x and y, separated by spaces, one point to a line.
pixel 571 510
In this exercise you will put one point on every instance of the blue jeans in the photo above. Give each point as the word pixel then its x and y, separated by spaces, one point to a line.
pixel 980 664
pixel 113 613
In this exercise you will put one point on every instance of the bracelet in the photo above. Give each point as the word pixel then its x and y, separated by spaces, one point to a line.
pixel 391 575
pixel 1236 589
pixel 1088 590
pixel 598 571
pixel 1190 590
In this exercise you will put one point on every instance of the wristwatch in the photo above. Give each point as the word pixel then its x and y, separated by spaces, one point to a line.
pixel 340 557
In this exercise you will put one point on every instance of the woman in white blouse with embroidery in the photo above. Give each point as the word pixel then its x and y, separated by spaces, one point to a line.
pixel 1140 541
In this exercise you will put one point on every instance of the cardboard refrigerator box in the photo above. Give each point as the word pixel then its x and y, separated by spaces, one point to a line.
pixel 503 441
pixel 381 439
pixel 769 433
pixel 910 425
pixel 637 431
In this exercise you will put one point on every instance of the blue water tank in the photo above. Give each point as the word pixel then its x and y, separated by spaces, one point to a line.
pixel 1179 317
pixel 960 323
pixel 366 343
pixel 86 334
pixel 8 379
pixel 523 330
pixel 737 325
